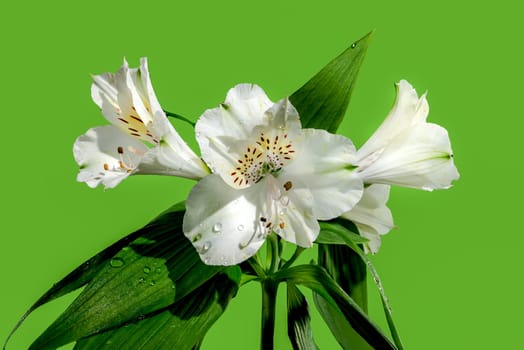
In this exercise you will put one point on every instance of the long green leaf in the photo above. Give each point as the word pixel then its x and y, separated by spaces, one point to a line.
pixel 318 280
pixel 84 273
pixel 323 100
pixel 353 251
pixel 181 326
pixel 157 268
pixel 298 320
pixel 340 263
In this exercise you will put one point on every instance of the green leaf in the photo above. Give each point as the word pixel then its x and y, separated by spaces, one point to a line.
pixel 154 270
pixel 328 233
pixel 349 272
pixel 323 100
pixel 84 273
pixel 340 260
pixel 318 280
pixel 181 326
pixel 298 320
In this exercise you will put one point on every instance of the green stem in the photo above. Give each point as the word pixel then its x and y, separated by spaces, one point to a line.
pixel 180 117
pixel 294 257
pixel 269 294
pixel 272 254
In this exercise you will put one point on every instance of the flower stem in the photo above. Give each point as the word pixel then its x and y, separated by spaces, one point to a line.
pixel 269 294
pixel 178 116
pixel 294 257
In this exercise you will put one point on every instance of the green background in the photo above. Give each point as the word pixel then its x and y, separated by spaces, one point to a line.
pixel 453 268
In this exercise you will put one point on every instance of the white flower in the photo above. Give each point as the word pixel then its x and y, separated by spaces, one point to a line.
pixel 269 175
pixel 109 154
pixel 371 215
pixel 406 150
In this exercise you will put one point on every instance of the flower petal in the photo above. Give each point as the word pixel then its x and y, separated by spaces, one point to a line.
pixel 297 223
pixel 223 223
pixel 106 156
pixel 371 215
pixel 419 157
pixel 407 111
pixel 128 101
pixel 224 132
pixel 173 157
pixel 324 165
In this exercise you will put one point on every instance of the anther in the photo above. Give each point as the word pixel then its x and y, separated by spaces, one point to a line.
pixel 288 185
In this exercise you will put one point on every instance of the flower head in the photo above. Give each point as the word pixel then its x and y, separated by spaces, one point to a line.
pixel 269 175
pixel 406 150
pixel 140 139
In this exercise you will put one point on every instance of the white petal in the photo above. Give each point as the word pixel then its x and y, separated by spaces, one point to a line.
pixel 297 223
pixel 407 111
pixel 224 223
pixel 106 156
pixel 419 157
pixel 128 101
pixel 173 157
pixel 324 165
pixel 225 131
pixel 371 215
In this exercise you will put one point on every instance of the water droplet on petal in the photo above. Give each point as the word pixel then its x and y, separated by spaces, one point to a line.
pixel 196 238
pixel 116 262
pixel 147 269
pixel 217 227
pixel 284 200
pixel 242 245
pixel 240 227
pixel 204 249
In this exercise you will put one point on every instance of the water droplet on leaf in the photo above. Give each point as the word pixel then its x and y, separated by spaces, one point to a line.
pixel 147 269
pixel 116 262
pixel 353 45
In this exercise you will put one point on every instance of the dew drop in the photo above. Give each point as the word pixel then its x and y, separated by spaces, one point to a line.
pixel 147 269
pixel 353 45
pixel 152 283
pixel 204 249
pixel 117 262
pixel 217 227
pixel 196 238
pixel 141 280
pixel 284 200
pixel 240 227
pixel 242 245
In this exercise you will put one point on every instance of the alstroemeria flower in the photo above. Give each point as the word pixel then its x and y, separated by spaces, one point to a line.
pixel 108 154
pixel 371 215
pixel 406 150
pixel 269 175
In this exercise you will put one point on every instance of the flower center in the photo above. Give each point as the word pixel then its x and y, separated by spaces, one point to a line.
pixel 268 155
